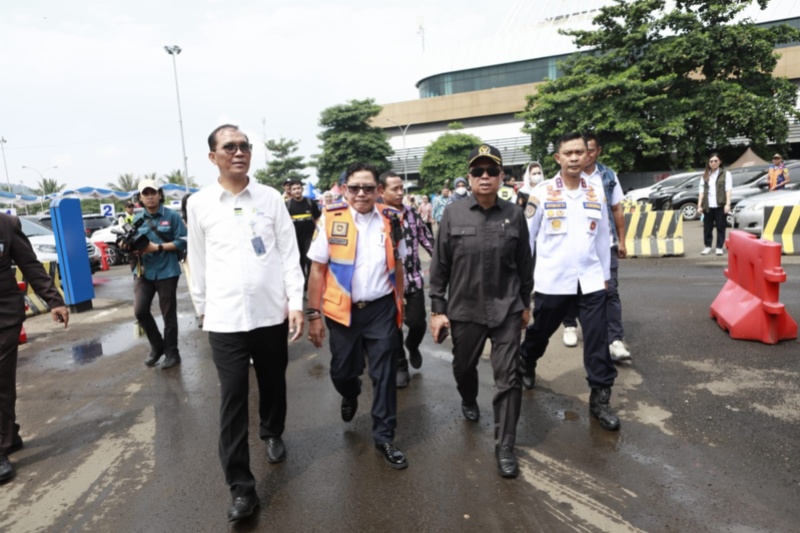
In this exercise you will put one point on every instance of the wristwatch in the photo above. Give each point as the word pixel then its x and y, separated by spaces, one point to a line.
pixel 160 247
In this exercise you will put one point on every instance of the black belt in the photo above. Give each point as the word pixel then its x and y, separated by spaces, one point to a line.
pixel 362 304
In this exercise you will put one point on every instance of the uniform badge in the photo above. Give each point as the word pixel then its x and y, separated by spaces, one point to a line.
pixel 337 240
pixel 530 210
pixel 556 224
pixel 593 225
pixel 483 150
pixel 339 229
pixel 550 213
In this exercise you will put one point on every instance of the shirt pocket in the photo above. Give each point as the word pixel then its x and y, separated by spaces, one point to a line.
pixel 593 220
pixel 465 240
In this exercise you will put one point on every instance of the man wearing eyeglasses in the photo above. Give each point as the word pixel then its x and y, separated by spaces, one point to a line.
pixel 247 282
pixel 356 282
pixel 480 287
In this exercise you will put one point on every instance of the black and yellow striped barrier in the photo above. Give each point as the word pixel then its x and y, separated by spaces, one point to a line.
pixel 37 306
pixel 632 207
pixel 654 233
pixel 782 225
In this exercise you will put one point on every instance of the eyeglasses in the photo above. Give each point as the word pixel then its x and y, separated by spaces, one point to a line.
pixel 477 172
pixel 231 148
pixel 368 189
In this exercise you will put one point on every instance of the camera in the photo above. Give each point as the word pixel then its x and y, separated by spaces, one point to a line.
pixel 129 237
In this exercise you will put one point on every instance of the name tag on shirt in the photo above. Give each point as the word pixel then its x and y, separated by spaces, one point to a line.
pixel 258 246
pixel 592 205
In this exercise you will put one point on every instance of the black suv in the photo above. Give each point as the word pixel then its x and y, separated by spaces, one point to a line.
pixel 685 200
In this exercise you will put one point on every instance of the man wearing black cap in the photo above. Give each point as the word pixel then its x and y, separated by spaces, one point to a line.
pixel 483 256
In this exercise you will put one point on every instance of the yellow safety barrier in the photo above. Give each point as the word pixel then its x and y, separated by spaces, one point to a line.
pixel 654 233
pixel 782 225
pixel 636 207
pixel 37 306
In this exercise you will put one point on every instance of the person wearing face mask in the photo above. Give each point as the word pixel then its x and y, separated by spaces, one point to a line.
pixel 533 176
pixel 460 191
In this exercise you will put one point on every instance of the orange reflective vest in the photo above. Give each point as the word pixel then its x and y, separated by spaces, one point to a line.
pixel 342 237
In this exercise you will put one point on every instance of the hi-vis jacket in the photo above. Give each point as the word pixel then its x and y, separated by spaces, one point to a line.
pixel 569 234
pixel 342 235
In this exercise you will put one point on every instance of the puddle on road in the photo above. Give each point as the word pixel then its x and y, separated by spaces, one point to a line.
pixel 571 416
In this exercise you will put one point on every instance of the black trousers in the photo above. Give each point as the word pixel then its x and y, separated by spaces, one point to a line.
pixel 468 342
pixel 143 294
pixel 415 321
pixel 613 304
pixel 303 244
pixel 714 218
pixel 268 347
pixel 9 344
pixel 373 330
pixel 548 313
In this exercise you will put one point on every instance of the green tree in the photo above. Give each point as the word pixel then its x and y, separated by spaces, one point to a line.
pixel 445 159
pixel 176 177
pixel 349 137
pixel 667 86
pixel 125 183
pixel 283 164
pixel 47 186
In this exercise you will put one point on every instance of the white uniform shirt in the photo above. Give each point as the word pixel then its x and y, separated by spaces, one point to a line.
pixel 370 275
pixel 712 188
pixel 569 232
pixel 235 286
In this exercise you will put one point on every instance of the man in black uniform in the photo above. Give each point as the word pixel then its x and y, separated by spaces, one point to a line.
pixel 483 256
pixel 15 247
pixel 305 214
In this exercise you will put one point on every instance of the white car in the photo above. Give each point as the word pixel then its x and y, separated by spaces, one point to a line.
pixel 643 195
pixel 43 241
pixel 748 215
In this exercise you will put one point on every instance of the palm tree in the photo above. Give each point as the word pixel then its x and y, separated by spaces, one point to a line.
pixel 176 177
pixel 48 186
pixel 125 183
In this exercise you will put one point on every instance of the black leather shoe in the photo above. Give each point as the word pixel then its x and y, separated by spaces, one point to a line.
pixel 349 408
pixel 471 411
pixel 276 450
pixel 528 375
pixel 155 355
pixel 506 461
pixel 242 507
pixel 16 444
pixel 6 470
pixel 414 357
pixel 599 408
pixel 393 456
pixel 402 378
pixel 170 361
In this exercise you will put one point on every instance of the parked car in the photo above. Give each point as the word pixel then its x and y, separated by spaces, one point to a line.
pixel 43 241
pixel 657 198
pixel 642 195
pixel 113 253
pixel 91 223
pixel 685 201
pixel 749 213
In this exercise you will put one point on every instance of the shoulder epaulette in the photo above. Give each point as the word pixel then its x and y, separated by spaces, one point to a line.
pixel 335 206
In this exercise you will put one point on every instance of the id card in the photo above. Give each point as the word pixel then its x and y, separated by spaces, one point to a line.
pixel 258 246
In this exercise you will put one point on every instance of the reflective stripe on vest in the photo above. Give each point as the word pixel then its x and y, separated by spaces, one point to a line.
pixel 342 238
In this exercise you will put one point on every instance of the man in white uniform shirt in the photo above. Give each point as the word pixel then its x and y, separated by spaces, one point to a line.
pixel 247 281
pixel 569 232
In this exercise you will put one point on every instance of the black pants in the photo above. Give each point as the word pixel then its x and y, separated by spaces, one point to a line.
pixel 548 313
pixel 9 343
pixel 373 330
pixel 613 304
pixel 415 320
pixel 268 347
pixel 143 294
pixel 714 217
pixel 468 342
pixel 303 244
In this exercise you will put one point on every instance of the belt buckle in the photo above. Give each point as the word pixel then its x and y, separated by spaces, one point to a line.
pixel 361 305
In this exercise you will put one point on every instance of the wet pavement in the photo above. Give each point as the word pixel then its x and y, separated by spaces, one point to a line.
pixel 709 438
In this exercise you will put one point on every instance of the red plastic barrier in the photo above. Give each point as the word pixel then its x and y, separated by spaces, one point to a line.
pixel 748 305
pixel 103 255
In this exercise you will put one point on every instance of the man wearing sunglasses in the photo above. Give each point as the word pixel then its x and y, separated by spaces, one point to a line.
pixel 247 282
pixel 569 229
pixel 480 287
pixel 356 282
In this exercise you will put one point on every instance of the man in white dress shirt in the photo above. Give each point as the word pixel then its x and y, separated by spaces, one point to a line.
pixel 356 282
pixel 569 232
pixel 247 282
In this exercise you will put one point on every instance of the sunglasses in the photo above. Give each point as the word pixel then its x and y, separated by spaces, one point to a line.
pixel 231 148
pixel 477 172
pixel 368 189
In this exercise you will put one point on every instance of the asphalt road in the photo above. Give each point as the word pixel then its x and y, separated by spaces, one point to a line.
pixel 709 438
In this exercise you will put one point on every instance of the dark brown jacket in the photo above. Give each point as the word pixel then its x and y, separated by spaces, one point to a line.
pixel 15 247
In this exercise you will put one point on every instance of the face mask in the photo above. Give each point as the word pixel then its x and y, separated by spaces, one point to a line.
pixel 461 191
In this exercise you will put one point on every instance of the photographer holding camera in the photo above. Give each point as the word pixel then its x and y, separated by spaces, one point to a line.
pixel 158 243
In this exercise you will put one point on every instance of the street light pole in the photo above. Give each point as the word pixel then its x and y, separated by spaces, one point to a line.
pixel 41 175
pixel 2 142
pixel 173 51
pixel 405 152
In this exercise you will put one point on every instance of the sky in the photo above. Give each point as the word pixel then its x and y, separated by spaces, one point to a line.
pixel 87 87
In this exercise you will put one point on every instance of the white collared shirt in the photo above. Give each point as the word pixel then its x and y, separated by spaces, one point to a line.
pixel 234 286
pixel 370 275
pixel 569 232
